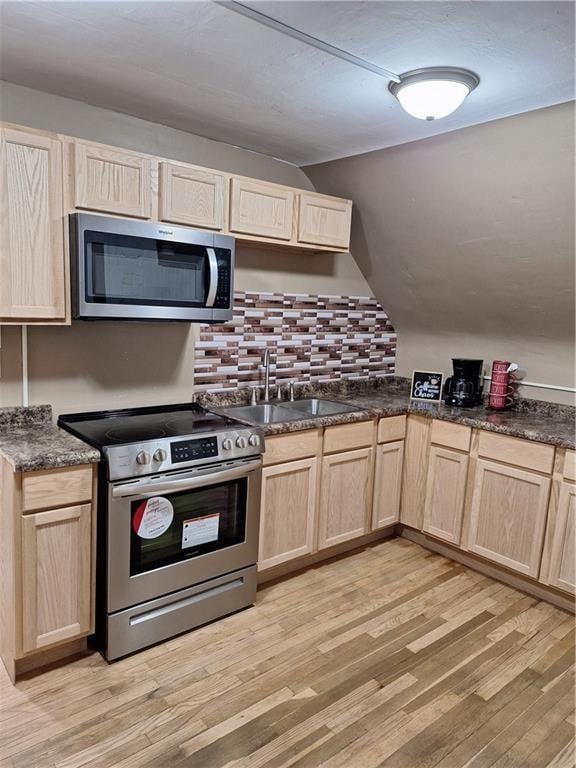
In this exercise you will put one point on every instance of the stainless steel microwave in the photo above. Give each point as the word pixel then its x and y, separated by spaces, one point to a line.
pixel 140 270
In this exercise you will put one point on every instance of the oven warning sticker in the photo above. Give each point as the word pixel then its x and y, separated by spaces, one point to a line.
pixel 153 518
pixel 201 530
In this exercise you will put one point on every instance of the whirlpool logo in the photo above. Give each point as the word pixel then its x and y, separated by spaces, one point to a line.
pixel 165 232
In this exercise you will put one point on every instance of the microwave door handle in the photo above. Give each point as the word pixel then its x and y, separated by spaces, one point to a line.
pixel 213 284
pixel 146 488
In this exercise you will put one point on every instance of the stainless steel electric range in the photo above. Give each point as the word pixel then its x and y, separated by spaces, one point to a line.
pixel 178 516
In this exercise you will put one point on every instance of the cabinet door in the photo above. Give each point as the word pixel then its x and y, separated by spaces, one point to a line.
pixel 345 496
pixel 508 516
pixel 562 558
pixel 415 470
pixel 192 196
pixel 111 180
pixel 56 576
pixel 287 512
pixel 32 257
pixel 387 484
pixel 445 491
pixel 324 220
pixel 261 209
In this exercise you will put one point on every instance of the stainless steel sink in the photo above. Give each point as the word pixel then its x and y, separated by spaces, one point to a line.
pixel 262 413
pixel 272 413
pixel 316 407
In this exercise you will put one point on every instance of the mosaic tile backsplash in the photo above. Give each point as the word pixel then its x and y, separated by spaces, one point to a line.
pixel 311 339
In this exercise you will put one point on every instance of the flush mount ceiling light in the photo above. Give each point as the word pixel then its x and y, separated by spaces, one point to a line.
pixel 428 93
pixel 433 92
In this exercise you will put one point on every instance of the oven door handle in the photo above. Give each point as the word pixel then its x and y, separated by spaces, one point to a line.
pixel 213 286
pixel 147 488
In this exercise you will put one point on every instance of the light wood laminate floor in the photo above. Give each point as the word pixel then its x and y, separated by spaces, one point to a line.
pixel 392 656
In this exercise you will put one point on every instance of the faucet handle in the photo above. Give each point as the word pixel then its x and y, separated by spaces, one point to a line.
pixel 279 395
pixel 291 391
pixel 253 395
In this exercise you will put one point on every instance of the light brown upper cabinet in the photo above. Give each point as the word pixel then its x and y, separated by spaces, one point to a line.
pixel 288 512
pixel 261 209
pixel 324 220
pixel 32 256
pixel 111 180
pixel 193 196
pixel 508 516
pixel 345 496
pixel 445 491
pixel 562 568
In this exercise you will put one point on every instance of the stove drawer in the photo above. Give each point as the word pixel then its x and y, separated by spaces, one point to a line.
pixel 156 620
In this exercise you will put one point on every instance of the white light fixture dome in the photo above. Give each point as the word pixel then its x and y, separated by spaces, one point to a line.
pixel 433 92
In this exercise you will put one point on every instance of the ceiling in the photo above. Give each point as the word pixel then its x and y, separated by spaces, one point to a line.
pixel 201 68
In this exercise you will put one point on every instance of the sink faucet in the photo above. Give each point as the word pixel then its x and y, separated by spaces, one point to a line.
pixel 267 375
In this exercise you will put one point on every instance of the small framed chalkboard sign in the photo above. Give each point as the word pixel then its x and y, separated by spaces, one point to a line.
pixel 426 386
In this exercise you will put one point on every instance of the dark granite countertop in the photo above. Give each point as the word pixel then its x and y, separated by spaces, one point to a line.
pixel 530 419
pixel 29 440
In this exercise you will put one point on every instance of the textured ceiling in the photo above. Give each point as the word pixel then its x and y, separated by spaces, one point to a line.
pixel 201 68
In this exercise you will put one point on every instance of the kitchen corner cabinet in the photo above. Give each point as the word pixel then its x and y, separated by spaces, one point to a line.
pixel 324 220
pixel 33 263
pixel 192 196
pixel 508 516
pixel 387 484
pixel 47 563
pixel 445 491
pixel 562 568
pixel 345 496
pixel 111 180
pixel 287 512
pixel 261 209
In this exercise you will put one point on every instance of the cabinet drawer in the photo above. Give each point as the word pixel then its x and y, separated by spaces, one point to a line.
pixel 299 445
pixel 345 437
pixel 570 465
pixel 391 428
pixel 513 450
pixel 56 487
pixel 451 435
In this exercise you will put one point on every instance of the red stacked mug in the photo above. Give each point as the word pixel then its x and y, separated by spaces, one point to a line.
pixel 501 389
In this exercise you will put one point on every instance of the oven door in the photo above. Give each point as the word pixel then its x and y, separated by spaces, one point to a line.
pixel 146 271
pixel 168 532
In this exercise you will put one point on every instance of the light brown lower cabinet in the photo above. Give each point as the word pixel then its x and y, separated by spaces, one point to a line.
pixel 445 492
pixel 287 512
pixel 56 576
pixel 508 516
pixel 345 496
pixel 387 484
pixel 562 569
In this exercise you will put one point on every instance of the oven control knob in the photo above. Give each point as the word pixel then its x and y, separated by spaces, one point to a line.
pixel 254 440
pixel 160 455
pixel 241 442
pixel 143 457
pixel 227 444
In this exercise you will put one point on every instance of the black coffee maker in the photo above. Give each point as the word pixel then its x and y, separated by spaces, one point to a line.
pixel 464 387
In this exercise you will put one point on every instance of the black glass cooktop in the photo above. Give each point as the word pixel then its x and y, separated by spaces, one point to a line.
pixel 101 428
